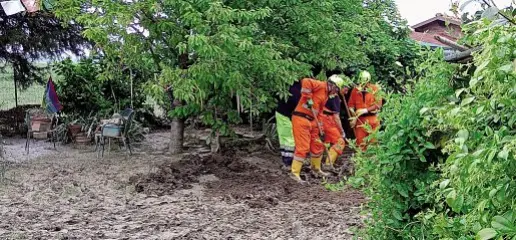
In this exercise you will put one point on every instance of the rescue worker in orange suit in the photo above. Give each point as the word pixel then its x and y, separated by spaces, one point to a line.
pixel 332 125
pixel 306 125
pixel 366 103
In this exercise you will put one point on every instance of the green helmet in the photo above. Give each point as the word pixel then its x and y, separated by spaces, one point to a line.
pixel 364 77
pixel 338 81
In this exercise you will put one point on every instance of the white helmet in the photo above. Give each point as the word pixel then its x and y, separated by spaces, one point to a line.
pixel 338 81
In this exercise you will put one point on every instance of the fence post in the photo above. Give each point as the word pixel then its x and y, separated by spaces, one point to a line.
pixel 16 93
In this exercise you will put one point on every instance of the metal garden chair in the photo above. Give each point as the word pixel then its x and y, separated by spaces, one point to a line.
pixel 119 132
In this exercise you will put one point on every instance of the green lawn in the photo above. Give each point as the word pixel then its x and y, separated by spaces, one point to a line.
pixel 32 95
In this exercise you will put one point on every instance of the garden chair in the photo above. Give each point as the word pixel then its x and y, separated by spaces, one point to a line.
pixel 30 132
pixel 119 132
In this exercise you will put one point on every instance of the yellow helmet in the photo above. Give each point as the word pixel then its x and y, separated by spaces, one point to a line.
pixel 364 77
pixel 338 81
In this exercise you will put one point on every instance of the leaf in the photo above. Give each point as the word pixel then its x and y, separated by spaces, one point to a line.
pixel 455 111
pixel 481 67
pixel 403 191
pixel 444 184
pixel 506 68
pixel 467 101
pixel 478 152
pixel 502 224
pixel 473 81
pixel 458 203
pixel 458 92
pixel 429 145
pixel 504 154
pixel 397 215
pixel 486 233
pixel 490 12
pixel 423 110
pixel 491 156
pixel 464 134
pixel 492 192
pixel 450 198
pixel 480 109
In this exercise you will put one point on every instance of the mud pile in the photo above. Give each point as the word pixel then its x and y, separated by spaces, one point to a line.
pixel 182 174
pixel 256 181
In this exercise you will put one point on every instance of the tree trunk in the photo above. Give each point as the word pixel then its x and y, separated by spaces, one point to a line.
pixel 177 129
pixel 461 55
pixel 451 43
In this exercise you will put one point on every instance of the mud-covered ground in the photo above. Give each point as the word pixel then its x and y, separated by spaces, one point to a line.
pixel 70 194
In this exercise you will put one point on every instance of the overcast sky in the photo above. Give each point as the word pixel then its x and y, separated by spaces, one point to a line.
pixel 416 11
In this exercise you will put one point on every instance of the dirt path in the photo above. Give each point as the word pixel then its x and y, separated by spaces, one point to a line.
pixel 73 195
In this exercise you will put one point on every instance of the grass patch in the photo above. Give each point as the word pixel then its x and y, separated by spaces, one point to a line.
pixel 31 95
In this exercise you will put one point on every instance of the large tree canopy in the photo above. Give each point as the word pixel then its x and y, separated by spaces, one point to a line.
pixel 212 52
pixel 25 38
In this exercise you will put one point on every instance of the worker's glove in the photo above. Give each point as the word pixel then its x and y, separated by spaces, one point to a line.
pixel 353 122
pixel 362 111
pixel 310 103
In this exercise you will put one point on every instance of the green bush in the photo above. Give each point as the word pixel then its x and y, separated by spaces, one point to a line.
pixel 445 165
pixel 91 86
pixel 399 170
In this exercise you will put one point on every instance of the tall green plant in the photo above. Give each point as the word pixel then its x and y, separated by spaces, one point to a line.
pixel 444 167
pixel 398 172
pixel 92 85
pixel 476 192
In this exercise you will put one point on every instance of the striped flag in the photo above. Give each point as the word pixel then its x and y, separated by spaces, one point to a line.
pixel 50 101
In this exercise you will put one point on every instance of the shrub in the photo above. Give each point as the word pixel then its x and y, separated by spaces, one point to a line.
pixel 92 86
pixel 445 165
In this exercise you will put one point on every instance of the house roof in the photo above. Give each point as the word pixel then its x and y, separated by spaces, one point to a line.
pixel 439 17
pixel 426 38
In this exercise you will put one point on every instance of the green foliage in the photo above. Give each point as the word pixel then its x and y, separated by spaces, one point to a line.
pixel 480 167
pixel 399 171
pixel 212 52
pixel 92 86
pixel 444 167
pixel 335 187
pixel 346 35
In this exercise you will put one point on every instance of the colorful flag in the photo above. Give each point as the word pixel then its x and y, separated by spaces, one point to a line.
pixel 31 5
pixel 12 7
pixel 50 101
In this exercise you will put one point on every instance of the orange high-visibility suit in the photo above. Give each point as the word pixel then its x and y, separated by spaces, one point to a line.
pixel 365 99
pixel 334 133
pixel 304 124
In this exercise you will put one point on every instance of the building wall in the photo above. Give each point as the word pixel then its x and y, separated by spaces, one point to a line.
pixel 439 28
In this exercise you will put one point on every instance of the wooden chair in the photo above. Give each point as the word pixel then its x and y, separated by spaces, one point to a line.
pixel 30 132
pixel 119 132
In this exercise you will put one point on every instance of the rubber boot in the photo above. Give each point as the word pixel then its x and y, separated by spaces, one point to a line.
pixel 287 163
pixel 296 171
pixel 316 167
pixel 330 160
